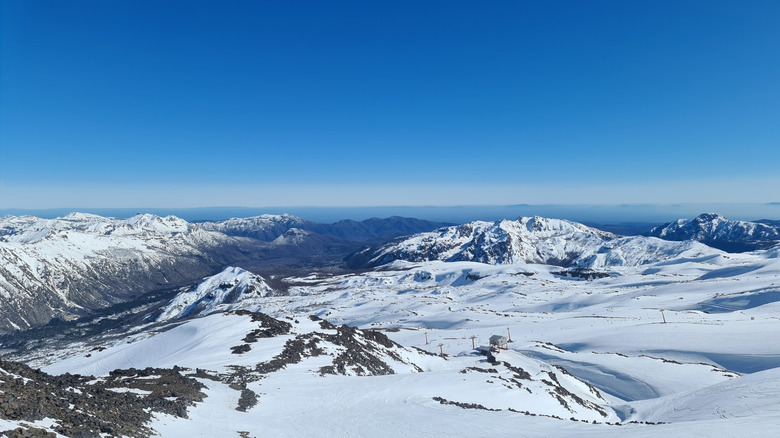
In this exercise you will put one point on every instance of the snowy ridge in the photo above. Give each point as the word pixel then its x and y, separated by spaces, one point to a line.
pixel 265 227
pixel 269 227
pixel 58 267
pixel 293 236
pixel 231 289
pixel 30 229
pixel 715 230
pixel 530 240
pixel 279 357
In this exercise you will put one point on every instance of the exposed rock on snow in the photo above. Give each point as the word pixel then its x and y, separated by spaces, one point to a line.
pixel 677 333
pixel 67 266
pixel 120 404
pixel 233 288
pixel 529 240
pixel 718 232
pixel 265 227
pixel 313 348
pixel 268 227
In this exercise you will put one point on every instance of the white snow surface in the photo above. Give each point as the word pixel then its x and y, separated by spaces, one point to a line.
pixel 690 341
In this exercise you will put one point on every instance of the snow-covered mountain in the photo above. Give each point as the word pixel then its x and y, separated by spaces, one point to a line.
pixel 268 227
pixel 67 266
pixel 231 289
pixel 678 333
pixel 717 231
pixel 687 342
pixel 529 240
pixel 587 358
pixel 293 236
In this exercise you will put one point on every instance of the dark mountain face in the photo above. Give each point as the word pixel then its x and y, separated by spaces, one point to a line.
pixel 718 232
pixel 265 227
pixel 269 227
pixel 626 228
pixel 375 228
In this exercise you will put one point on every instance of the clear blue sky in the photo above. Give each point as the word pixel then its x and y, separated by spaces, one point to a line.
pixel 195 103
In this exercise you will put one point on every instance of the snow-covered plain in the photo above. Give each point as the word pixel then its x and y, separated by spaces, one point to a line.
pixel 637 345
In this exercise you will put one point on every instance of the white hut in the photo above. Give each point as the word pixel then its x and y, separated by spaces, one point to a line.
pixel 498 342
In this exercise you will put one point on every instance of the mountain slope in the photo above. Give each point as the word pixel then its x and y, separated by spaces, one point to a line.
pixel 68 266
pixel 265 227
pixel 528 240
pixel 641 346
pixel 231 289
pixel 269 227
pixel 275 361
pixel 121 404
pixel 718 232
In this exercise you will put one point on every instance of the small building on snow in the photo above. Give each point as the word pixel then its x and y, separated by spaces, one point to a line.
pixel 498 342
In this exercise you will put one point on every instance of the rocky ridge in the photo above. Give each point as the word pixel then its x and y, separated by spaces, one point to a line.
pixel 528 240
pixel 67 267
pixel 269 227
pixel 231 289
pixel 121 404
pixel 718 232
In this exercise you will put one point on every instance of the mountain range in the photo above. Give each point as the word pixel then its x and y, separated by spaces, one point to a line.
pixel 70 266
pixel 529 240
pixel 270 227
pixel 538 325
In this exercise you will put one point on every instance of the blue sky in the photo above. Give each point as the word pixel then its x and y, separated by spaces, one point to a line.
pixel 201 103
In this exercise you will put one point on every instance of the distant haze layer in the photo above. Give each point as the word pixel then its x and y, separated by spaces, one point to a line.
pixel 601 214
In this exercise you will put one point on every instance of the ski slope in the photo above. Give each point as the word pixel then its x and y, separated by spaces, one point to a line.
pixel 637 345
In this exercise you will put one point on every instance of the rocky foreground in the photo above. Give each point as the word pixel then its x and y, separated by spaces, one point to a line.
pixel 120 404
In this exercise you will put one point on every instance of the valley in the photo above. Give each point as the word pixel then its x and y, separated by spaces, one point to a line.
pixel 668 338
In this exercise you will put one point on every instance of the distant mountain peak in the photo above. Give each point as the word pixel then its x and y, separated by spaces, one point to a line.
pixel 293 236
pixel 719 232
pixel 526 240
pixel 708 217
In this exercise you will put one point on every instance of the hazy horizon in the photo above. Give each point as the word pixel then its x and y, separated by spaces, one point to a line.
pixel 595 214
